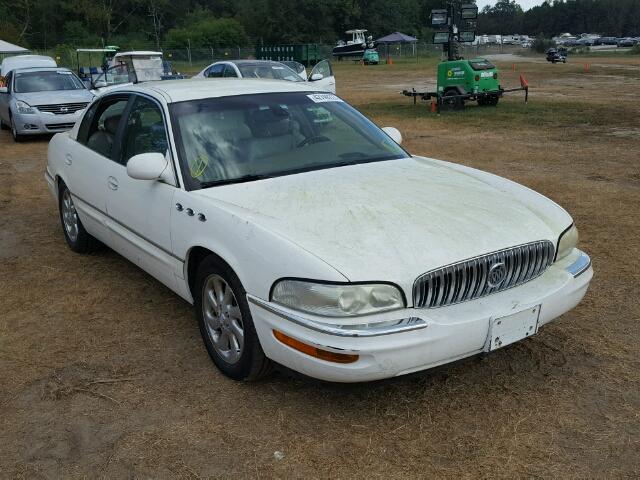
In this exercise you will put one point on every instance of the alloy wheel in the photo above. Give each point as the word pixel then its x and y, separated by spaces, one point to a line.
pixel 223 318
pixel 69 216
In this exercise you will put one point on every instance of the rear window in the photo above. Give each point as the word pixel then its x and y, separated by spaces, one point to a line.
pixel 481 64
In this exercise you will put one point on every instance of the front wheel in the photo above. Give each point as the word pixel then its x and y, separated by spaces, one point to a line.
pixel 14 131
pixel 226 324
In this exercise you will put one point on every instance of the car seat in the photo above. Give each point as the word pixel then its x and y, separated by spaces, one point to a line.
pixel 102 140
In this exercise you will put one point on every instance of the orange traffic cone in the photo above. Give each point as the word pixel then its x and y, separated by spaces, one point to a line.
pixel 434 106
pixel 389 61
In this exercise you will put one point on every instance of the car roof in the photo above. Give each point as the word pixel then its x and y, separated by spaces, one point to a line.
pixel 14 62
pixel 197 89
pixel 253 62
pixel 42 69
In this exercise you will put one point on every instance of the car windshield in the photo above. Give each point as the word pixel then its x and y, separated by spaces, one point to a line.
pixel 249 137
pixel 51 81
pixel 277 71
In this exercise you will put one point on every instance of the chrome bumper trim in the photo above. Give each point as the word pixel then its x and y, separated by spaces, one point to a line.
pixel 364 330
pixel 580 266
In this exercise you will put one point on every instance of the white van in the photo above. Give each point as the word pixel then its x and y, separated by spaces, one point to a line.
pixel 25 61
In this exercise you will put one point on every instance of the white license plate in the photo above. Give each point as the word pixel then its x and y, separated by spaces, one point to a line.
pixel 512 328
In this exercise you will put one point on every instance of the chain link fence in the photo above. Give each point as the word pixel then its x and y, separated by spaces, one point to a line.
pixel 192 60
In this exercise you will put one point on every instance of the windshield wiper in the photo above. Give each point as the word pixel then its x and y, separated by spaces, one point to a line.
pixel 228 181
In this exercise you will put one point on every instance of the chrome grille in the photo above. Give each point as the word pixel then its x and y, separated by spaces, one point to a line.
pixel 483 275
pixel 59 126
pixel 62 108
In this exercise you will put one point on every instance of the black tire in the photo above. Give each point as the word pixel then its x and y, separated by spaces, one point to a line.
pixel 448 104
pixel 252 363
pixel 488 101
pixel 14 133
pixel 82 241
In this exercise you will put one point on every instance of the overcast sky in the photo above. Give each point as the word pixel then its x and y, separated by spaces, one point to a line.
pixel 526 4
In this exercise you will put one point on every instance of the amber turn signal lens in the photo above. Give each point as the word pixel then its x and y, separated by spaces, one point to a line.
pixel 314 351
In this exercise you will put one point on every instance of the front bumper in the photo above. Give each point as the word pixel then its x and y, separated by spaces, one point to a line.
pixel 410 340
pixel 42 123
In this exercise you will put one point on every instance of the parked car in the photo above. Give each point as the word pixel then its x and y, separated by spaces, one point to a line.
pixel 319 245
pixel 25 61
pixel 38 101
pixel 321 74
pixel 609 41
pixel 557 55
pixel 626 42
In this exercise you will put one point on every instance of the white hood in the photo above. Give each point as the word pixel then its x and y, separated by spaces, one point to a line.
pixel 395 220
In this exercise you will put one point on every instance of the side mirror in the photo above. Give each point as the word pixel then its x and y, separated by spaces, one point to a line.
pixel 394 133
pixel 315 77
pixel 147 166
pixel 4 90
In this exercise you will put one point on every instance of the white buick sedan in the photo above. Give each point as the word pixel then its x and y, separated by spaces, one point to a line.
pixel 305 236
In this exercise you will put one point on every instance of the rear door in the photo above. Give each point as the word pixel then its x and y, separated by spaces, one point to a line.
pixel 328 81
pixel 89 160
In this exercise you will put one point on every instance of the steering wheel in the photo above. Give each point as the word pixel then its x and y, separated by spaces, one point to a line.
pixel 312 140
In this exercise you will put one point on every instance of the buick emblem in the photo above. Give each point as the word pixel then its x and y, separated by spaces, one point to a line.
pixel 497 272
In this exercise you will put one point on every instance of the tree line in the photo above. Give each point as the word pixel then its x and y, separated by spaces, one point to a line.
pixel 217 23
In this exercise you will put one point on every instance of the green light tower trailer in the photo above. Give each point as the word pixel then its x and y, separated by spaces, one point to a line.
pixel 460 80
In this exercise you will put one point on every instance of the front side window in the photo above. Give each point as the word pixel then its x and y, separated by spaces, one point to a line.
pixel 248 137
pixel 145 131
pixel 46 81
pixel 103 126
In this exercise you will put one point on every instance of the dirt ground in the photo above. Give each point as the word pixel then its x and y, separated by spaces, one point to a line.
pixel 103 373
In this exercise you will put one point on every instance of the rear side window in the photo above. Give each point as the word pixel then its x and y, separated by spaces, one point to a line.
pixel 102 127
pixel 215 71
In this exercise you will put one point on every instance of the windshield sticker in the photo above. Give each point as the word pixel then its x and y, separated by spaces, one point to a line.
pixel 324 97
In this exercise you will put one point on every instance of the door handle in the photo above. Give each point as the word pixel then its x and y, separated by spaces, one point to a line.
pixel 68 159
pixel 112 183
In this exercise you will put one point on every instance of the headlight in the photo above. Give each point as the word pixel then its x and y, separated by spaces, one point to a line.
pixel 337 300
pixel 568 241
pixel 24 108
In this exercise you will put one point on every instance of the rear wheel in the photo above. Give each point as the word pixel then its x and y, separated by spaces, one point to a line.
pixel 225 322
pixel 78 239
pixel 491 101
pixel 451 101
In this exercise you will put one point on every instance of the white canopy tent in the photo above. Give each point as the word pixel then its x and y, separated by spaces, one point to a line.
pixel 7 48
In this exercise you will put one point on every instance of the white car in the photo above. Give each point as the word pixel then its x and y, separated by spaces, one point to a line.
pixel 321 74
pixel 305 235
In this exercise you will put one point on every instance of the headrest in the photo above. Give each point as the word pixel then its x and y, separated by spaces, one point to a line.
pixel 111 124
pixel 272 122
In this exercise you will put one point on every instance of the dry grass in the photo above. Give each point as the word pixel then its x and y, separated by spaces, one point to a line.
pixel 102 371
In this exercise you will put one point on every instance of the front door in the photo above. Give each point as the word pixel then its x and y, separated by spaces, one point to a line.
pixel 139 210
pixel 328 81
